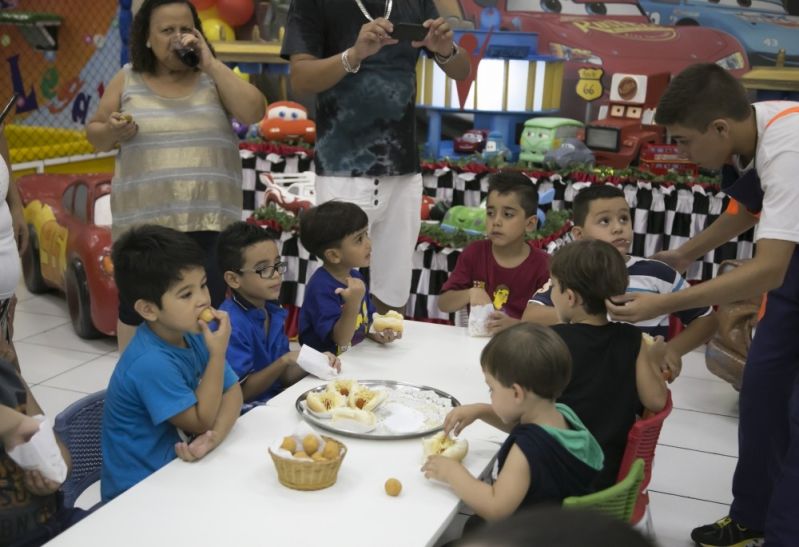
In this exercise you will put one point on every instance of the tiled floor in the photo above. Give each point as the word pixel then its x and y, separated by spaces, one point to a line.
pixel 694 465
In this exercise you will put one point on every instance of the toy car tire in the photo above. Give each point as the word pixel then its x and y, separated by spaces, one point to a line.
pixel 32 267
pixel 78 302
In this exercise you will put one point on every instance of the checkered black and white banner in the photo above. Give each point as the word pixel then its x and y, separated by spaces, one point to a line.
pixel 664 217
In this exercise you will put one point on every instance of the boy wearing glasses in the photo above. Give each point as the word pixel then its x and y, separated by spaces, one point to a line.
pixel 258 350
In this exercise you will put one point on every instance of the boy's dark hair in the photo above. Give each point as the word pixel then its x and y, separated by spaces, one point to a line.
pixel 234 240
pixel 700 94
pixel 509 182
pixel 324 226
pixel 584 198
pixel 141 57
pixel 533 356
pixel 593 269
pixel 150 259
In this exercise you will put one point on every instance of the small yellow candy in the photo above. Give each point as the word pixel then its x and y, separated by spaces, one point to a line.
pixel 393 487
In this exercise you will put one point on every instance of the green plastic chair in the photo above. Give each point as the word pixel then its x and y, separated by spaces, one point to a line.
pixel 618 500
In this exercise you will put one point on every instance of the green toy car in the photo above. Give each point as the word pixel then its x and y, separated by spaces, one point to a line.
pixel 540 135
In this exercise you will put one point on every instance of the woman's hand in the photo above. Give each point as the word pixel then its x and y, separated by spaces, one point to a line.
pixel 122 127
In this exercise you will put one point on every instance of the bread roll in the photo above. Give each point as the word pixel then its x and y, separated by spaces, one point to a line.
pixel 325 401
pixel 366 399
pixel 355 414
pixel 442 445
pixel 390 321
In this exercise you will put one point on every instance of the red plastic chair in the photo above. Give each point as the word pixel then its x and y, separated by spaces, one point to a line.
pixel 641 443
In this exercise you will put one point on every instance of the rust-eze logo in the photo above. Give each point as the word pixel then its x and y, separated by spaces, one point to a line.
pixel 629 30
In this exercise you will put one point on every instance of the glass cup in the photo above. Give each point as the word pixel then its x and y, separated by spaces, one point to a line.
pixel 187 54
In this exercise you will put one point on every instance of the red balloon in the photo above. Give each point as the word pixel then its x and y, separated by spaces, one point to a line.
pixel 235 12
pixel 203 4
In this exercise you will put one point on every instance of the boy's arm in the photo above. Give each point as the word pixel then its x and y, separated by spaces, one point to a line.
pixel 201 416
pixel 698 331
pixel 453 300
pixel 258 382
pixel 766 271
pixel 540 314
pixel 492 502
pixel 345 326
pixel 229 411
pixel 652 391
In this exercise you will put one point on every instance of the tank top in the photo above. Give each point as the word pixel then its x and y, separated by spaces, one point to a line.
pixel 9 258
pixel 182 169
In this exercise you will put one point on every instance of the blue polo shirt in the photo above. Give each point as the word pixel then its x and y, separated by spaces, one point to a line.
pixel 152 382
pixel 251 348
pixel 321 309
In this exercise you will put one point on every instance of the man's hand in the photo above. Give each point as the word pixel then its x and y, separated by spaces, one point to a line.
pixel 354 291
pixel 674 259
pixel 499 321
pixel 439 37
pixel 217 341
pixel 335 362
pixel 667 360
pixel 198 448
pixel 635 307
pixel 440 468
pixel 371 39
pixel 38 485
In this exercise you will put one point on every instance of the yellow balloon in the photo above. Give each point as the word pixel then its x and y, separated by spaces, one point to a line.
pixel 210 13
pixel 216 30
pixel 243 75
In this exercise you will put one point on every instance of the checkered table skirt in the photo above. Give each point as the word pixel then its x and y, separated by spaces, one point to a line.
pixel 664 217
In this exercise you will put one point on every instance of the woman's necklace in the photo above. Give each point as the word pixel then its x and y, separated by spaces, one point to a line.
pixel 389 5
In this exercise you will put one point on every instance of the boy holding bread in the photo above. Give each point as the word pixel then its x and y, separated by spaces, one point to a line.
pixel 337 309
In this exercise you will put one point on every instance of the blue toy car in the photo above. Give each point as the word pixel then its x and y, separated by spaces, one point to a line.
pixel 763 27
pixel 495 146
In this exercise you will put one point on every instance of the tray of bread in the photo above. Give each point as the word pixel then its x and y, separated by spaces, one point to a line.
pixel 376 409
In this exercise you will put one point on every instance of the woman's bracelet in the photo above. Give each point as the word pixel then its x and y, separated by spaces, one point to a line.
pixel 440 59
pixel 346 62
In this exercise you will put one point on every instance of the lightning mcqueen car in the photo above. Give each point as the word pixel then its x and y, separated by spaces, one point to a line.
pixel 69 218
pixel 615 36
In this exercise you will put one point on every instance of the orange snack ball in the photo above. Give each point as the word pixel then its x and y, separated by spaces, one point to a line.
pixel 393 487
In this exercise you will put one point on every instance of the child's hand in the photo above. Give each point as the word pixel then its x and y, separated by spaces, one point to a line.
pixel 290 358
pixel 478 297
pixel 217 341
pixel 460 417
pixel 335 362
pixel 198 448
pixel 385 337
pixel 665 358
pixel 440 468
pixel 38 485
pixel 498 321
pixel 354 291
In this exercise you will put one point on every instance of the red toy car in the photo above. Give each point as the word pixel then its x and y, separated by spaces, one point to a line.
pixel 287 121
pixel 660 159
pixel 69 218
pixel 471 142
pixel 614 35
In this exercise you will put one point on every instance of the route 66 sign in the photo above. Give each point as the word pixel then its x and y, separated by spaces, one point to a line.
pixel 589 86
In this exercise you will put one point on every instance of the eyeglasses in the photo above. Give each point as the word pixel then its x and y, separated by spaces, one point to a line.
pixel 267 272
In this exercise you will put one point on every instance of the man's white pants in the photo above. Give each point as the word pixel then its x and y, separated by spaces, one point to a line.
pixel 393 205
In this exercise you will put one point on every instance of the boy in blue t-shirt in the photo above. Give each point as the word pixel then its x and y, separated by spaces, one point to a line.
pixel 258 350
pixel 601 212
pixel 336 311
pixel 171 393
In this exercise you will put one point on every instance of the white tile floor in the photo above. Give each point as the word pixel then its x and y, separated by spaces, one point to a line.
pixel 694 464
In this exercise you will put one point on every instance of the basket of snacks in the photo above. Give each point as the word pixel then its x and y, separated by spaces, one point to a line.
pixel 309 462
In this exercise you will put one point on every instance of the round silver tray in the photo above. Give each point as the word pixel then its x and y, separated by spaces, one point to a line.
pixel 329 425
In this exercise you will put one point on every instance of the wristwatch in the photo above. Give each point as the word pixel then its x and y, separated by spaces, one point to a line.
pixel 440 59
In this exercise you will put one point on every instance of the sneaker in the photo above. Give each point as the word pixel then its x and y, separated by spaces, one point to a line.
pixel 726 533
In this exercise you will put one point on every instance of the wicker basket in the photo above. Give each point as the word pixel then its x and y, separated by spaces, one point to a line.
pixel 308 475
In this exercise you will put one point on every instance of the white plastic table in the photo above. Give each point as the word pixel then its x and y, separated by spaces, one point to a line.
pixel 233 497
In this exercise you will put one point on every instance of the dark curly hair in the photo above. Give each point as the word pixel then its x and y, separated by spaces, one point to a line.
pixel 141 56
